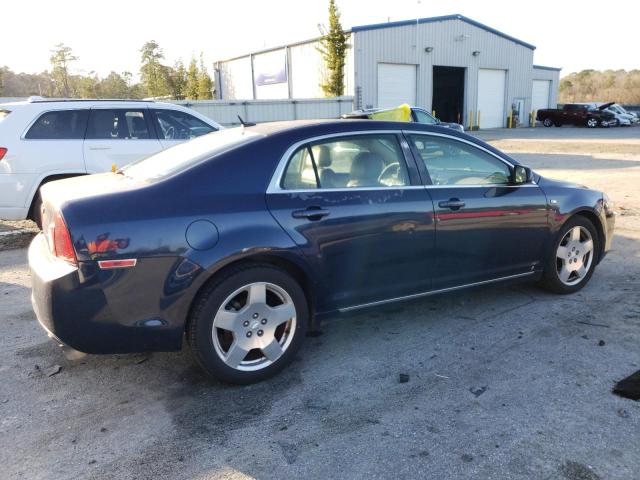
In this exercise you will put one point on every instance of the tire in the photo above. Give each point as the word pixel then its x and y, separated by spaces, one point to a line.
pixel 557 124
pixel 234 355
pixel 547 122
pixel 603 124
pixel 571 257
pixel 592 122
pixel 36 210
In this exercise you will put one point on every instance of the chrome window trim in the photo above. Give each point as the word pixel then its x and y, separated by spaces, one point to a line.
pixel 276 178
pixel 434 292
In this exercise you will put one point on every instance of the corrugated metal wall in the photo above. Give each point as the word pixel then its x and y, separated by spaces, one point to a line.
pixel 554 77
pixel 453 42
pixel 226 112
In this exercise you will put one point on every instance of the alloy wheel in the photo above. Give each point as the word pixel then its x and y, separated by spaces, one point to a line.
pixel 574 256
pixel 592 122
pixel 254 326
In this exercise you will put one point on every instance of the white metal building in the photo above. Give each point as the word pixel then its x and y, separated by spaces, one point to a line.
pixel 463 70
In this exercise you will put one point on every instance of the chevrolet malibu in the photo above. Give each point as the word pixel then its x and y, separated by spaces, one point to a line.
pixel 241 240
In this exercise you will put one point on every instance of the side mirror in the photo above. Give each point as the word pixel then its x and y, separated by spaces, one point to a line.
pixel 521 175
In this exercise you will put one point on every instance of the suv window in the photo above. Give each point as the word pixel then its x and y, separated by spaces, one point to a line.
pixel 176 125
pixel 451 162
pixel 358 161
pixel 118 124
pixel 59 125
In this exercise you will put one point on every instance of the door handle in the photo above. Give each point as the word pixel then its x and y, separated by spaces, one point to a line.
pixel 452 203
pixel 311 213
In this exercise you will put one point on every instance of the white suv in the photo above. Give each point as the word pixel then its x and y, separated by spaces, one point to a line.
pixel 43 140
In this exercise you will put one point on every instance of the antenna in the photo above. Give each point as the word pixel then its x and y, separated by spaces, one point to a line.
pixel 243 123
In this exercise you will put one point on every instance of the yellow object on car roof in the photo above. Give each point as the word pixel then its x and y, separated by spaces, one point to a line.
pixel 398 114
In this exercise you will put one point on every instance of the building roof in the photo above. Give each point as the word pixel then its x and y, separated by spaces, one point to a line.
pixel 543 67
pixel 442 18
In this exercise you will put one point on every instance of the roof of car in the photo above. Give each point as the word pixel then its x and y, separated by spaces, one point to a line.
pixel 333 125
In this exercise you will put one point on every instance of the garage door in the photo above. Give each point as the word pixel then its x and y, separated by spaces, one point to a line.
pixel 396 85
pixel 491 84
pixel 540 94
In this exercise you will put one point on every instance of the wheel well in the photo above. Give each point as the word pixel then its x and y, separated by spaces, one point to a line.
pixel 273 260
pixel 596 223
pixel 48 179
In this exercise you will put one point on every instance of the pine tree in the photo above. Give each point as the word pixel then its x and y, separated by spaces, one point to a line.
pixel 61 57
pixel 333 48
pixel 178 80
pixel 191 89
pixel 152 73
pixel 205 84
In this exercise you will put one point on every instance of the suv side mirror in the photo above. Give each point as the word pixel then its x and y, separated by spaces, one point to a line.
pixel 521 175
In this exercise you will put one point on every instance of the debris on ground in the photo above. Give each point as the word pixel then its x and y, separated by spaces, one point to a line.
pixel 403 377
pixel 477 391
pixel 601 343
pixel 53 370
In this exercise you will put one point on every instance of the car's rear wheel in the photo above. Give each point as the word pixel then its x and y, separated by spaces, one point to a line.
pixel 592 122
pixel 547 122
pixel 36 210
pixel 574 257
pixel 248 324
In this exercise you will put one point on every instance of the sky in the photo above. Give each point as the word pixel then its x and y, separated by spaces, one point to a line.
pixel 106 36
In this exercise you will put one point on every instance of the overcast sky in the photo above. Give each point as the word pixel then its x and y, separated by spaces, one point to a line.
pixel 107 35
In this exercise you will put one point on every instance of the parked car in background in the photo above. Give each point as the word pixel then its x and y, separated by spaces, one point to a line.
pixel 622 116
pixel 579 114
pixel 43 140
pixel 240 240
pixel 403 113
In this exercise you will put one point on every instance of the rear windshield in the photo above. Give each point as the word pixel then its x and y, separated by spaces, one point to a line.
pixel 3 114
pixel 190 153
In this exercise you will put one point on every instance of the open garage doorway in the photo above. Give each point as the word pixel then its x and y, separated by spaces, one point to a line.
pixel 448 93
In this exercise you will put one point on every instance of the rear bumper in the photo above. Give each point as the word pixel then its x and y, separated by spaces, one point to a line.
pixel 71 305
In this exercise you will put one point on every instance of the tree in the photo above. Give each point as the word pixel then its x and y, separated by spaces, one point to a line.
pixel 152 73
pixel 205 84
pixel 88 86
pixel 61 58
pixel 114 86
pixel 178 80
pixel 333 48
pixel 191 88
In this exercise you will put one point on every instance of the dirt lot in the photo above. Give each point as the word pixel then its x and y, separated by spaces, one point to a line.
pixel 504 383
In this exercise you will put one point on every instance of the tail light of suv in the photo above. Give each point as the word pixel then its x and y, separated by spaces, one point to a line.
pixel 59 239
pixel 3 152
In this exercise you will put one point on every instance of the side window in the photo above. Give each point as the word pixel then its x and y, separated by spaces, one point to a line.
pixel 359 161
pixel 59 125
pixel 301 173
pixel 117 124
pixel 451 162
pixel 175 125
pixel 424 117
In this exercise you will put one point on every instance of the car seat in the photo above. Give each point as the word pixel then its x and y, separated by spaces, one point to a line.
pixel 365 170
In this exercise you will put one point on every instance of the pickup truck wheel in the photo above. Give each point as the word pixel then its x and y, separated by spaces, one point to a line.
pixel 605 124
pixel 592 123
pixel 547 122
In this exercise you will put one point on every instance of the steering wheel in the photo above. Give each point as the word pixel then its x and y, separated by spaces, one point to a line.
pixel 390 172
pixel 170 134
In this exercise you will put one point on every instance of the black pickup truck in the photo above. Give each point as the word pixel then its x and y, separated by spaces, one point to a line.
pixel 581 114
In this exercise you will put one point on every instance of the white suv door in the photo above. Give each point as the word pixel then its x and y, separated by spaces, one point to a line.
pixel 175 126
pixel 118 136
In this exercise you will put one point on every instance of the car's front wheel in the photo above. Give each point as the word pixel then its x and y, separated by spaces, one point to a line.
pixel 547 122
pixel 574 257
pixel 248 324
pixel 592 123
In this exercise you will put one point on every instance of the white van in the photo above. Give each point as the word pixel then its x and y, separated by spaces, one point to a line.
pixel 43 140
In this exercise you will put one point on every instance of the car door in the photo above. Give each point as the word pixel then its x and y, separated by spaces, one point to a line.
pixel 175 126
pixel 486 226
pixel 354 206
pixel 118 136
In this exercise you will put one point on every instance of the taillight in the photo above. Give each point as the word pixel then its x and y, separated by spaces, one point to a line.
pixel 62 245
pixel 3 152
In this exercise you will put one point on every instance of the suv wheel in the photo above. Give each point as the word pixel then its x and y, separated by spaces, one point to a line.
pixel 248 325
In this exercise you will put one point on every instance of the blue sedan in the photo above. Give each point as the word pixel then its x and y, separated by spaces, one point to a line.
pixel 243 239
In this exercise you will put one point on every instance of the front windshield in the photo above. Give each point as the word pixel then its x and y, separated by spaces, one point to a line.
pixel 424 117
pixel 187 154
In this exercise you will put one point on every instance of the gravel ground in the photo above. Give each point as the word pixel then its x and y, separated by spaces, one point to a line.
pixel 503 383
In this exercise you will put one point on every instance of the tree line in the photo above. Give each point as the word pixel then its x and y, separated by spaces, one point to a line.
pixel 619 86
pixel 156 79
